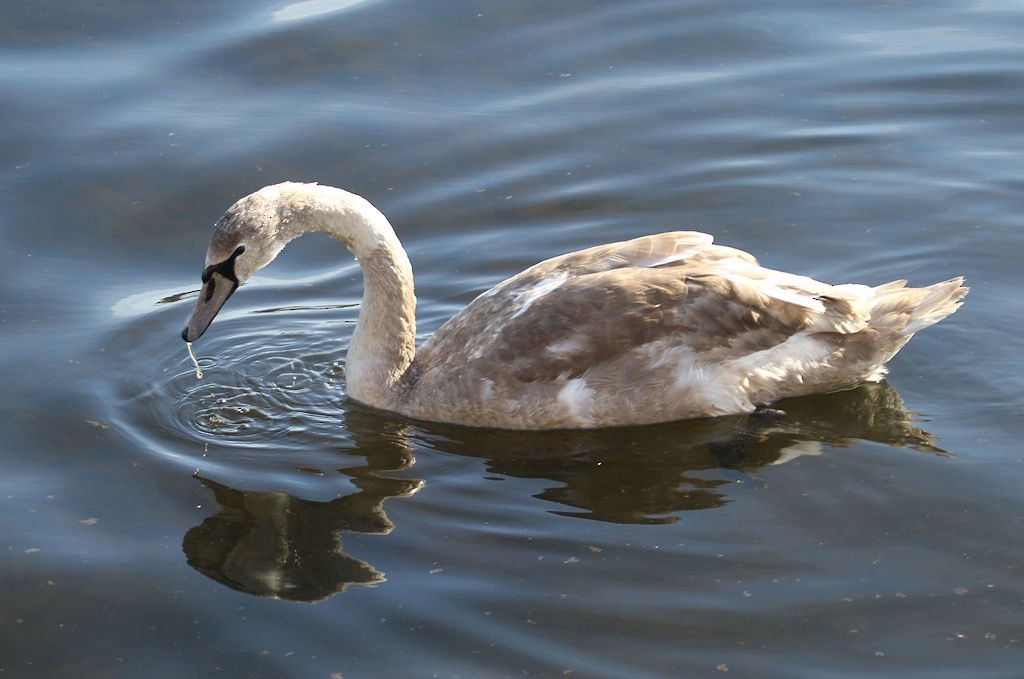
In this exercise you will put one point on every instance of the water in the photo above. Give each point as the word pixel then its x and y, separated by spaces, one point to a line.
pixel 257 524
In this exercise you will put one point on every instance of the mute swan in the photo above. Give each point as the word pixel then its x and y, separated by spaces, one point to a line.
pixel 653 329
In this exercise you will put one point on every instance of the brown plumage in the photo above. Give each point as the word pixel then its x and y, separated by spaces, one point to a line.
pixel 653 329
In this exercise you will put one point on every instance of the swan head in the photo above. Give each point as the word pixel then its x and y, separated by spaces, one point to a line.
pixel 247 238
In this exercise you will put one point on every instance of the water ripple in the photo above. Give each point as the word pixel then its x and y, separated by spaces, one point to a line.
pixel 271 399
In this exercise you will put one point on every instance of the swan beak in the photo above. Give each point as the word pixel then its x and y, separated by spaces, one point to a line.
pixel 215 292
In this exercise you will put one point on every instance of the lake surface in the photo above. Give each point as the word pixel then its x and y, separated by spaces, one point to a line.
pixel 258 524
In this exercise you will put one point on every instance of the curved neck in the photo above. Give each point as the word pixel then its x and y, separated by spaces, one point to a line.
pixel 384 342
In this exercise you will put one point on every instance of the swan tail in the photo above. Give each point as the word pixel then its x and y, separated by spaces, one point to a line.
pixel 904 311
pixel 896 313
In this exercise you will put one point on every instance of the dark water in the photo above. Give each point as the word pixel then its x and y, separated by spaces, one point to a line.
pixel 257 524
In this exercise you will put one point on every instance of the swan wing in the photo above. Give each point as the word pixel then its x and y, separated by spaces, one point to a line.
pixel 566 316
pixel 660 328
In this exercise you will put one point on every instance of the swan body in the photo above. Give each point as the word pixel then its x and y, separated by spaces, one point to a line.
pixel 654 329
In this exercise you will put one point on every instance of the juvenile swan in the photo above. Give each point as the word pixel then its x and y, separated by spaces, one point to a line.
pixel 658 328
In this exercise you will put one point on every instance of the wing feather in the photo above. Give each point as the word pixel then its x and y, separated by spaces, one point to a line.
pixel 596 306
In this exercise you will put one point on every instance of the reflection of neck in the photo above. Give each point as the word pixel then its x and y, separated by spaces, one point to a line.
pixel 383 344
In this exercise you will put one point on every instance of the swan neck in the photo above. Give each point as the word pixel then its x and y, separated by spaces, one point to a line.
pixel 383 343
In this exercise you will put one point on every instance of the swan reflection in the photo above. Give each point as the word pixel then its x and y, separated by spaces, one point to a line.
pixel 274 544
pixel 650 474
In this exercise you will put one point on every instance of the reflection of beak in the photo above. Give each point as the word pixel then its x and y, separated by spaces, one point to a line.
pixel 215 292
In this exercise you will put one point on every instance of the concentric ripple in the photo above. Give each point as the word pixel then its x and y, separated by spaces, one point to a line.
pixel 259 384
pixel 271 401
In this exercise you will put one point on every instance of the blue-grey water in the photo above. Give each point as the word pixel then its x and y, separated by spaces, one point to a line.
pixel 258 524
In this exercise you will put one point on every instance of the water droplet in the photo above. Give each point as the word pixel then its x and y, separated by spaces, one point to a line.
pixel 195 361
